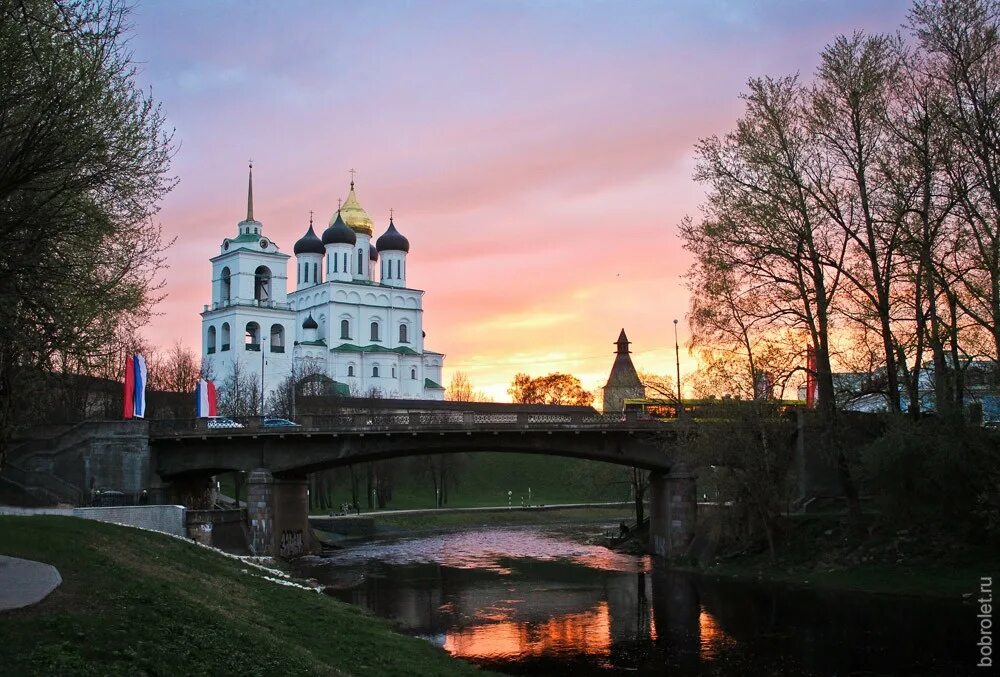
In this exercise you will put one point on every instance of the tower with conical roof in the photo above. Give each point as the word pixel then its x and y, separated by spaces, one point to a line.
pixel 623 382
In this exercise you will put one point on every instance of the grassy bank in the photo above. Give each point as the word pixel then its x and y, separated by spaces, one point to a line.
pixel 135 602
pixel 818 551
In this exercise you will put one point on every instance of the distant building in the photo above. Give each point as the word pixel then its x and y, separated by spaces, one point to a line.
pixel 351 313
pixel 623 383
pixel 866 392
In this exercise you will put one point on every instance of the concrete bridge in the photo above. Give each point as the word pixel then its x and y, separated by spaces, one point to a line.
pixel 186 453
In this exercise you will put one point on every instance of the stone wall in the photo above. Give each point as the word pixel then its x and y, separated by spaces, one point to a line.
pixel 93 455
pixel 167 518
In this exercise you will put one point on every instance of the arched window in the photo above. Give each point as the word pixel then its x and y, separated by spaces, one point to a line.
pixel 345 329
pixel 225 337
pixel 315 272
pixel 305 277
pixel 404 334
pixel 336 261
pixel 211 340
pixel 375 331
pixel 394 372
pixel 413 373
pixel 251 339
pixel 350 370
pixel 226 283
pixel 262 283
pixel 361 262
pixel 345 263
pixel 277 338
pixel 375 371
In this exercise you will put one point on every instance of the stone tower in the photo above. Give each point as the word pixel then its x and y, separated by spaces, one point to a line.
pixel 624 381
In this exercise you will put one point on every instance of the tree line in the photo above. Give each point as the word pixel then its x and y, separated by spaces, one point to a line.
pixel 858 213
pixel 852 224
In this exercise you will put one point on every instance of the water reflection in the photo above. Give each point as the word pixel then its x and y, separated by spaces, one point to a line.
pixel 534 601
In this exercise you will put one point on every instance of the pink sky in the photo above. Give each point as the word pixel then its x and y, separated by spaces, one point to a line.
pixel 538 155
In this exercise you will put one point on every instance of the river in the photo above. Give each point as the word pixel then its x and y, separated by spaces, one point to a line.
pixel 539 601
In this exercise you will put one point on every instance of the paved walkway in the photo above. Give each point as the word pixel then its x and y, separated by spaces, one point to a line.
pixel 24 582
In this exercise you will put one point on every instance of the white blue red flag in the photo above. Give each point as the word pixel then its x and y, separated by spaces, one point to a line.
pixel 135 387
pixel 205 400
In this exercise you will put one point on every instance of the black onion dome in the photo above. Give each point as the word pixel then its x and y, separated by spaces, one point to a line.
pixel 309 243
pixel 392 240
pixel 310 323
pixel 339 233
pixel 372 252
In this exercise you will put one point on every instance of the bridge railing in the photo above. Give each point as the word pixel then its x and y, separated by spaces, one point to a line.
pixel 358 422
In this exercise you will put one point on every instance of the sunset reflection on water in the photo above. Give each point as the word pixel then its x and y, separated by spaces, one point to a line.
pixel 587 632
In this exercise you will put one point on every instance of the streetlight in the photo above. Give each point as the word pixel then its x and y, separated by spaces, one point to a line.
pixel 260 406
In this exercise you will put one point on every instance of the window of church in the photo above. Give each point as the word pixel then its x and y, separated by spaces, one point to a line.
pixel 251 338
pixel 306 276
pixel 361 262
pixel 350 370
pixel 277 338
pixel 345 329
pixel 397 269
pixel 394 372
pixel 404 334
pixel 262 283
pixel 226 284
pixel 375 371
pixel 375 331
pixel 211 340
pixel 413 373
pixel 315 272
pixel 225 337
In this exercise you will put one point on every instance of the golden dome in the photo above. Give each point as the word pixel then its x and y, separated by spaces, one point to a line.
pixel 354 215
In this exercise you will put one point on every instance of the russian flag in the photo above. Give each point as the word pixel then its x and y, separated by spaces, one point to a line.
pixel 205 400
pixel 135 387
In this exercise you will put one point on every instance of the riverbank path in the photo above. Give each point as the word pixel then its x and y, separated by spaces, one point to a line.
pixel 24 582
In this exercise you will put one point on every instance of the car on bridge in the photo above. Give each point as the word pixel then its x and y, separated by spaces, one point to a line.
pixel 279 423
pixel 221 422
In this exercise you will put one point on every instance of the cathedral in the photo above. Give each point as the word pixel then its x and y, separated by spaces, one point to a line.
pixel 350 316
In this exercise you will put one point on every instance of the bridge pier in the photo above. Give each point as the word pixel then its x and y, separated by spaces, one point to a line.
pixel 278 511
pixel 673 509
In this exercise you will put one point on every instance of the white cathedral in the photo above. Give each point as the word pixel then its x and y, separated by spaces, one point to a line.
pixel 351 315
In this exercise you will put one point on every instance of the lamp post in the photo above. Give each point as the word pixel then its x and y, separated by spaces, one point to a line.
pixel 677 353
pixel 260 405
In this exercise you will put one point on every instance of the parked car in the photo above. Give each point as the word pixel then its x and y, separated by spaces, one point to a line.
pixel 220 422
pixel 280 423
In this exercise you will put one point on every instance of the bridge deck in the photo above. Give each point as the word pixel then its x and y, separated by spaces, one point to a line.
pixel 444 422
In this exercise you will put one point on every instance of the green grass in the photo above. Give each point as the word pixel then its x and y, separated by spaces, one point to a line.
pixel 136 602
pixel 816 551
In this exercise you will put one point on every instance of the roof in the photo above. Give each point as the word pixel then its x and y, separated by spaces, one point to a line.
pixel 623 373
pixel 372 348
pixel 431 384
pixel 354 214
